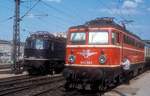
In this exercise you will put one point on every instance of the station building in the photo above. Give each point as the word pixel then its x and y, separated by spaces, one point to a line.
pixel 6 51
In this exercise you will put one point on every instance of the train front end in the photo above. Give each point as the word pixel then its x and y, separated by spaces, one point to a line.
pixel 90 55
pixel 37 54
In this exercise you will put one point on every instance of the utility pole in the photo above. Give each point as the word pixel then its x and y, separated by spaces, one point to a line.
pixel 16 38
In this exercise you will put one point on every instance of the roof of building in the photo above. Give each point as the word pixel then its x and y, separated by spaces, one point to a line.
pixel 10 42
pixel 4 42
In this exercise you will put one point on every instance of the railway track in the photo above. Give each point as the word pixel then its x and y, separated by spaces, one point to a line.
pixel 113 91
pixel 5 66
pixel 52 86
pixel 8 80
pixel 55 86
pixel 11 87
pixel 41 86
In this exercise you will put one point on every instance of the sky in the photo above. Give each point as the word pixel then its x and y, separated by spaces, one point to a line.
pixel 59 15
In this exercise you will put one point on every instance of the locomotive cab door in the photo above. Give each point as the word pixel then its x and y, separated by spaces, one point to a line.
pixel 116 40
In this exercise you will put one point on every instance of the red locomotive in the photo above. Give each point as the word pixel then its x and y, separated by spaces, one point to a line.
pixel 95 51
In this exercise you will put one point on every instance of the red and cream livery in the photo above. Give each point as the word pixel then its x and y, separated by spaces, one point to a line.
pixel 96 49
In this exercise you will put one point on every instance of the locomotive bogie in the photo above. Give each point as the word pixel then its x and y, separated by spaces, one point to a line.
pixel 89 74
pixel 35 67
pixel 41 67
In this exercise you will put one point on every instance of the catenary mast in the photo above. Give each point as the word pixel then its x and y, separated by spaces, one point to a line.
pixel 16 38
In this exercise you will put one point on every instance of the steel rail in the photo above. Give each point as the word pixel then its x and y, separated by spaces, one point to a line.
pixel 30 84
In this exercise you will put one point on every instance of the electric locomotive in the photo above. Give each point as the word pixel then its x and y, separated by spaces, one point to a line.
pixel 95 51
pixel 44 53
pixel 147 54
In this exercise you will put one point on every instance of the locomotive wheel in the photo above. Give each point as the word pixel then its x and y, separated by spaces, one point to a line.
pixel 58 67
pixel 32 71
pixel 103 86
pixel 131 75
pixel 51 72
pixel 139 71
pixel 42 70
pixel 58 70
pixel 118 80
pixel 83 86
pixel 94 87
pixel 67 85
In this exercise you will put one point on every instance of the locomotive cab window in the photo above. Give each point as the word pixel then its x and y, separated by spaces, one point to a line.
pixel 98 37
pixel 30 44
pixel 42 44
pixel 115 38
pixel 46 44
pixel 78 38
pixel 39 44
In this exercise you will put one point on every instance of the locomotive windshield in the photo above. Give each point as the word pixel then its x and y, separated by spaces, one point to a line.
pixel 94 37
pixel 78 38
pixel 98 37
pixel 37 44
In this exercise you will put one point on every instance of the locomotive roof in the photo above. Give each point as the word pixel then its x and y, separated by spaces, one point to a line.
pixel 42 34
pixel 104 22
pixel 147 43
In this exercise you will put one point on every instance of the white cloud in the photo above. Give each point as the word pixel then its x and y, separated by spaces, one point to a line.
pixel 119 11
pixel 128 4
pixel 131 4
pixel 30 15
pixel 58 1
pixel 127 7
pixel 148 9
pixel 138 1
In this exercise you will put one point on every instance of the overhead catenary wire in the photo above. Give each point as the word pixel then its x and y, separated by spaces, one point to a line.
pixel 129 23
pixel 58 10
pixel 6 7
pixel 44 23
pixel 7 19
pixel 57 24
pixel 58 19
pixel 117 10
pixel 30 9
pixel 120 12
pixel 75 12
pixel 113 11
pixel 55 16
pixel 69 16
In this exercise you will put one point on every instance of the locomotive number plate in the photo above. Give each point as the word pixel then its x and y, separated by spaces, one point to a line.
pixel 86 62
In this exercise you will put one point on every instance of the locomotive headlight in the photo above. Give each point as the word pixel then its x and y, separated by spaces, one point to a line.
pixel 71 59
pixel 102 59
